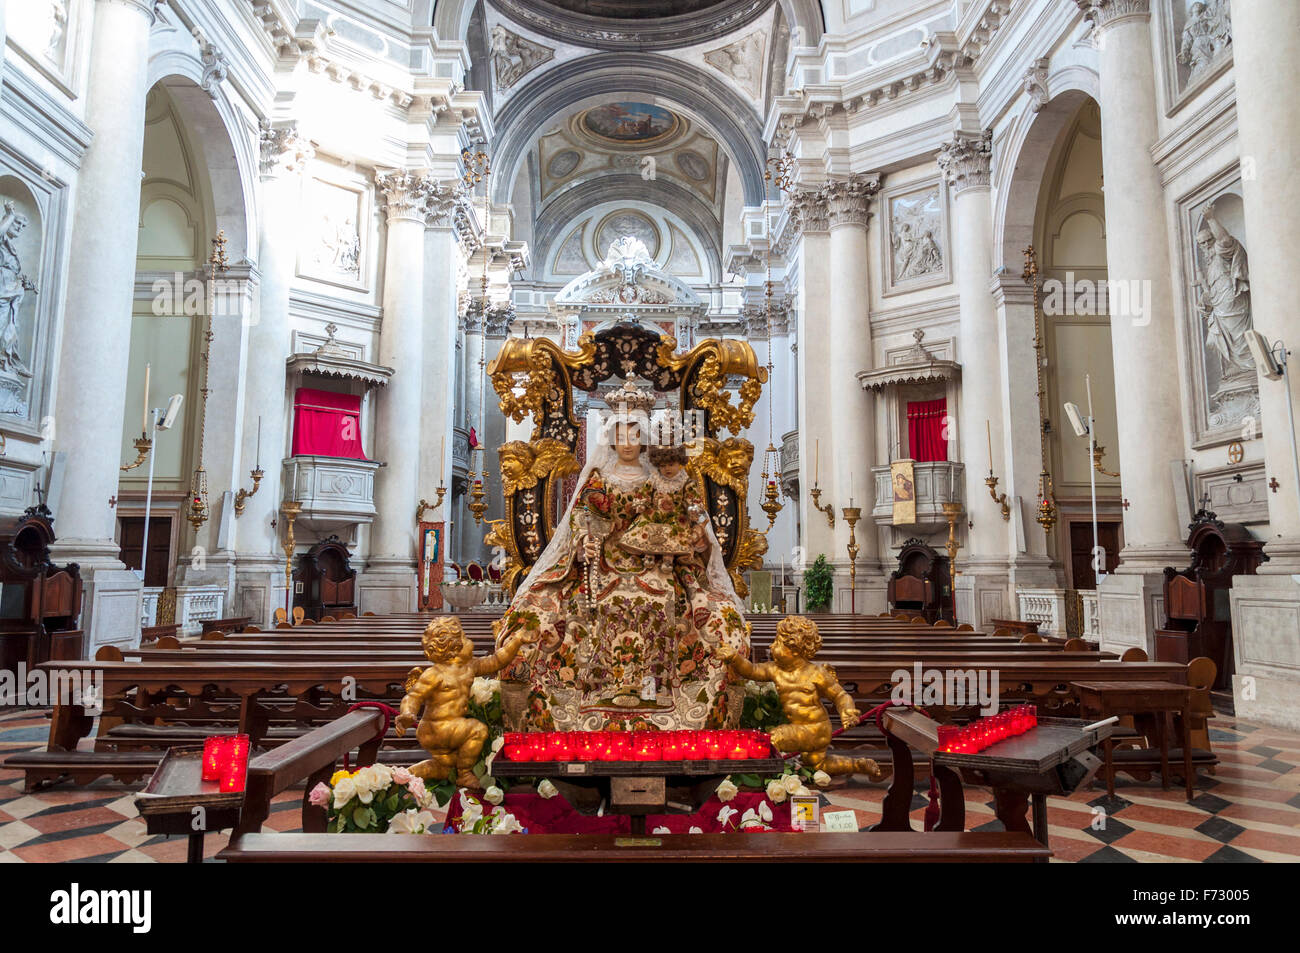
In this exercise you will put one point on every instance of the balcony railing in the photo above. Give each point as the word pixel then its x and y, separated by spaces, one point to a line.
pixel 935 483
pixel 790 462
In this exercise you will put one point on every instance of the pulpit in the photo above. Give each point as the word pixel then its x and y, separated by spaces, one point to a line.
pixel 40 603
pixel 921 582
pixel 1198 618
pixel 325 582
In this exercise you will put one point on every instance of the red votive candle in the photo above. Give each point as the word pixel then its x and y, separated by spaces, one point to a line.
pixel 213 757
pixel 948 735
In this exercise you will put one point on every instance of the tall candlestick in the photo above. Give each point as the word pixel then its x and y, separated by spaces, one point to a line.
pixel 258 464
pixel 850 488
pixel 144 411
pixel 988 431
pixel 817 464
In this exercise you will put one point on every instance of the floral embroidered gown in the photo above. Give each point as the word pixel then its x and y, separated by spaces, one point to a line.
pixel 627 639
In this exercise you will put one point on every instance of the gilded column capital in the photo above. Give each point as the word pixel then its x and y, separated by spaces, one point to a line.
pixel 967 161
pixel 284 150
pixel 1105 12
pixel 848 201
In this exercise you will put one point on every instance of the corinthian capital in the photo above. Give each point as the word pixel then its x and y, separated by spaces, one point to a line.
pixel 810 211
pixel 1105 12
pixel 415 196
pixel 848 201
pixel 967 160
pixel 284 149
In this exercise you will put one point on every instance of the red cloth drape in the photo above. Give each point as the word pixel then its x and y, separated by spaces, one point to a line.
pixel 327 424
pixel 925 425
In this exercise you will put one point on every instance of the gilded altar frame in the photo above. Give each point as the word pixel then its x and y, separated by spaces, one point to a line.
pixel 535 378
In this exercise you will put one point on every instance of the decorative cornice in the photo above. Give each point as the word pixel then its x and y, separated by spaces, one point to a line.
pixel 283 149
pixel 967 160
pixel 1103 13
pixel 848 201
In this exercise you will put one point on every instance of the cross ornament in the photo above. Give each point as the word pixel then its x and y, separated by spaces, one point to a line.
pixel 1125 504
pixel 112 501
pixel 1273 484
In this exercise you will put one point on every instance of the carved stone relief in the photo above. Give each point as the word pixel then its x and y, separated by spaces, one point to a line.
pixel 916 232
pixel 20 260
pixel 742 61
pixel 333 245
pixel 1204 35
pixel 514 57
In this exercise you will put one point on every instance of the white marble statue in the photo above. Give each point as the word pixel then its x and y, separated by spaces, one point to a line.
pixel 14 285
pixel 1206 34
pixel 1223 299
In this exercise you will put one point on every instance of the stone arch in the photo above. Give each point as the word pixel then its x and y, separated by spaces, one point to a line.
pixel 706 99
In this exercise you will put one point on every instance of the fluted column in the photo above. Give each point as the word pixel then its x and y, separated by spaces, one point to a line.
pixel 96 332
pixel 852 409
pixel 1143 337
pixel 1266 66
pixel 809 215
pixel 285 153
pixel 405 196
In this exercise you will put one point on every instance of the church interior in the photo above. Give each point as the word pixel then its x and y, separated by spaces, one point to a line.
pixel 836 429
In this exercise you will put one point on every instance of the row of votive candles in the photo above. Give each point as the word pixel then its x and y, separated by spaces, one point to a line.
pixel 225 760
pixel 983 732
pixel 723 745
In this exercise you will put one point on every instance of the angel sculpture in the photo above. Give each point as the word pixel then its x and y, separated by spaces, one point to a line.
pixel 801 685
pixel 442 690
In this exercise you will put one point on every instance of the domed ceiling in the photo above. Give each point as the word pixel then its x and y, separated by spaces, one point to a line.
pixel 633 24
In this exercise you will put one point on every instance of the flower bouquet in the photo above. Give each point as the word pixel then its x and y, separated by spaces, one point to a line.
pixel 375 800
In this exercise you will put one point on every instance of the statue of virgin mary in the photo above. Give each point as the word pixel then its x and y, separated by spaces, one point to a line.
pixel 627 632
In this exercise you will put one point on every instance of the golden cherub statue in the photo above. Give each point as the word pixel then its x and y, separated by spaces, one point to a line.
pixel 801 685
pixel 452 739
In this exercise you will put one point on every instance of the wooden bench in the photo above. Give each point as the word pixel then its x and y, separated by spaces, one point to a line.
pixel 864 847
pixel 233 624
pixel 152 633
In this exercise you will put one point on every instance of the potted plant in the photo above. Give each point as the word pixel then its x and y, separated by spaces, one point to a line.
pixel 818 585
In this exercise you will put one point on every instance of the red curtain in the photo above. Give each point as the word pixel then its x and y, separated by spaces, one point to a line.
pixel 925 423
pixel 327 424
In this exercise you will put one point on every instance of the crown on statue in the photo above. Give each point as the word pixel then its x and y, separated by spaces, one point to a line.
pixel 629 399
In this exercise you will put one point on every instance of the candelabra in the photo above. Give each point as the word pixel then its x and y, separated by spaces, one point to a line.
pixel 1000 498
pixel 290 509
pixel 1046 504
pixel 828 509
pixel 771 504
pixel 142 447
pixel 851 516
pixel 243 496
pixel 1046 501
pixel 477 504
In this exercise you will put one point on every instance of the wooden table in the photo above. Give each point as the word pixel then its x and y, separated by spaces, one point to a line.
pixel 1139 698
pixel 178 801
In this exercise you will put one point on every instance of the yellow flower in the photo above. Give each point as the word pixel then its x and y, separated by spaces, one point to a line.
pixel 339 776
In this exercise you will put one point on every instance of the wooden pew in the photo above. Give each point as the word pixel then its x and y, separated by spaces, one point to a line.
pixel 863 847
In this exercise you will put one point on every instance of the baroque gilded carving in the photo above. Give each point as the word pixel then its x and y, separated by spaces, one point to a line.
pixel 967 160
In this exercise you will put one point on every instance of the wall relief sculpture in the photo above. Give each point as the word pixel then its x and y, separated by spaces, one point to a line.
pixel 1198 42
pixel 19 260
pixel 916 233
pixel 1221 292
pixel 514 57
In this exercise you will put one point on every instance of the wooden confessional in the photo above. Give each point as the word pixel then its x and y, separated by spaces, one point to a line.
pixel 325 582
pixel 1198 620
pixel 920 583
pixel 40 603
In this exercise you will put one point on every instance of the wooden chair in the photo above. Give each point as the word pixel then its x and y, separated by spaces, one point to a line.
pixel 1031 638
pixel 965 627
pixel 216 635
pixel 918 620
pixel 109 653
pixel 1001 632
pixel 1073 645
pixel 299 613
pixel 305 621
pixel 1201 674
pixel 279 615
pixel 168 642
pixel 252 628
pixel 328 618
pixel 942 624
pixel 284 625
pixel 347 615
pixel 367 613
pixel 1134 654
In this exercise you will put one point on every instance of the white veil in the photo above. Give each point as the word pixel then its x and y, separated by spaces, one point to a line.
pixel 604 458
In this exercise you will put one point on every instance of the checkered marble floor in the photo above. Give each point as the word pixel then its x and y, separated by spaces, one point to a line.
pixel 1248 811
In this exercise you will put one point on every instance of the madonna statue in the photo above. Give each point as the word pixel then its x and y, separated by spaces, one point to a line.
pixel 631 600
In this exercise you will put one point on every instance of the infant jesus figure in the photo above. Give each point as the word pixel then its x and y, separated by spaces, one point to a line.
pixel 801 685
pixel 452 739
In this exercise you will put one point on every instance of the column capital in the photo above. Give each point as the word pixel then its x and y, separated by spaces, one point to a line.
pixel 1105 12
pixel 416 196
pixel 284 150
pixel 809 211
pixel 146 7
pixel 848 201
pixel 967 160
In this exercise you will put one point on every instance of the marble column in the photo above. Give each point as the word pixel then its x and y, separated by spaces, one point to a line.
pixel 389 582
pixel 1143 335
pixel 259 574
pixel 852 409
pixel 810 217
pixel 1266 607
pixel 470 536
pixel 440 333
pixel 97 320
pixel 966 163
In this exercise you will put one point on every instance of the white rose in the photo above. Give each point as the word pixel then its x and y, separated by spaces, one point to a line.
pixel 822 779
pixel 546 789
pixel 661 830
pixel 494 795
pixel 382 775
pixel 727 790
pixel 410 821
pixel 344 791
pixel 791 783
pixel 506 824
pixel 764 811
pixel 419 791
pixel 696 830
pixel 481 690
pixel 776 791
pixel 803 791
